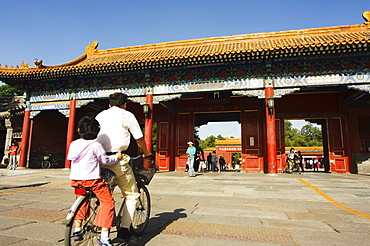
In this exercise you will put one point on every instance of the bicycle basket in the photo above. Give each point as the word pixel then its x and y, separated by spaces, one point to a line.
pixel 143 175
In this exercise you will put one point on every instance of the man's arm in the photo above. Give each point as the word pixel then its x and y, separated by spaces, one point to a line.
pixel 142 145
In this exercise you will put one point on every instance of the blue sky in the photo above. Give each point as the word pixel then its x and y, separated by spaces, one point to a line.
pixel 58 31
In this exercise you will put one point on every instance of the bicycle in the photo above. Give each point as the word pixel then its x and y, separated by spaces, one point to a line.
pixel 90 232
pixel 49 161
pixel 295 168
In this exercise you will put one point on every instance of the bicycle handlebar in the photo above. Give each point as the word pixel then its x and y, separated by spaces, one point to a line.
pixel 141 155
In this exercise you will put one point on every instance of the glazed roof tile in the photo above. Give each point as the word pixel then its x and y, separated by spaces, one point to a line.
pixel 225 45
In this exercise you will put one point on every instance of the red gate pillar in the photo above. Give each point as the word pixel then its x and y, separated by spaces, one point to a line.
pixel 270 131
pixel 71 128
pixel 25 138
pixel 149 124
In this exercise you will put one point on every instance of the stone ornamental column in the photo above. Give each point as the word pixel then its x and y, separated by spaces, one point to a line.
pixel 9 135
pixel 25 136
pixel 270 130
pixel 71 127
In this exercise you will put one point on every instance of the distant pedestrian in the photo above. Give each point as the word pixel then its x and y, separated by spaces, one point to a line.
pixel 209 161
pixel 191 151
pixel 222 163
pixel 300 160
pixel 201 165
pixel 315 165
pixel 214 162
pixel 13 156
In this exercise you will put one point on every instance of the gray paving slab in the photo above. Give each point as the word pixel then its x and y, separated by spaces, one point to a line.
pixel 231 208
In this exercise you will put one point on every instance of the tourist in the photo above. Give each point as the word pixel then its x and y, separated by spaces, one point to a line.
pixel 191 157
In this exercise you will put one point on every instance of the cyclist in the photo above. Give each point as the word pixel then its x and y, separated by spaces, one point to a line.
pixel 86 154
pixel 292 156
pixel 116 126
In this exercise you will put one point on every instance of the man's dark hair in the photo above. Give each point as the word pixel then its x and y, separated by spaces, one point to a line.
pixel 88 128
pixel 117 99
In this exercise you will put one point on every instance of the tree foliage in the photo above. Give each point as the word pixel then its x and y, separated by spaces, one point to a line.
pixel 210 141
pixel 308 136
pixel 9 91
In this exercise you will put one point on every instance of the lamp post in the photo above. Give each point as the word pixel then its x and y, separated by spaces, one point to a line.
pixel 146 110
pixel 270 105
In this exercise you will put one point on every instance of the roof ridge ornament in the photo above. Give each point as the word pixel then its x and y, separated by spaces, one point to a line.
pixel 24 65
pixel 38 63
pixel 366 16
pixel 92 48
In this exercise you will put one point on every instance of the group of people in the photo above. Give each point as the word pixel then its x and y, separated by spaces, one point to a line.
pixel 295 161
pixel 102 144
pixel 197 163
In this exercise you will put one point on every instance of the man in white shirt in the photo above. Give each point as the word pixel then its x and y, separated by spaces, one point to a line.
pixel 116 126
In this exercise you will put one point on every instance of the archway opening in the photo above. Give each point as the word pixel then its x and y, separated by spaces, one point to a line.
pixel 219 132
pixel 309 139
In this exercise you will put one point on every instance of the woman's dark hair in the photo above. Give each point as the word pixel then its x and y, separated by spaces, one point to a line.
pixel 117 99
pixel 88 128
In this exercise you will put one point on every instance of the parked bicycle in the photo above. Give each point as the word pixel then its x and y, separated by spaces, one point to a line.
pixel 85 196
pixel 49 161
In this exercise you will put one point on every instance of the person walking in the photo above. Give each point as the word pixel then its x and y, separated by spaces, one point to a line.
pixel 209 161
pixel 13 150
pixel 300 160
pixel 214 162
pixel 315 165
pixel 222 163
pixel 116 127
pixel 191 151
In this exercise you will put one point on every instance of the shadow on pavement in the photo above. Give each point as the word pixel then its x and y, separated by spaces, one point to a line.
pixel 158 223
pixel 23 186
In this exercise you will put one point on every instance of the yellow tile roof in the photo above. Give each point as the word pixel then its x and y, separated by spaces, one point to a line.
pixel 217 46
pixel 228 141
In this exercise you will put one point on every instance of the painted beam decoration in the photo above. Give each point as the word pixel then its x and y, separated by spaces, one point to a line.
pixel 334 79
pixel 243 87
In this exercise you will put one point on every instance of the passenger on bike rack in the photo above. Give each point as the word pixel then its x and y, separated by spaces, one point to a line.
pixel 86 154
pixel 116 126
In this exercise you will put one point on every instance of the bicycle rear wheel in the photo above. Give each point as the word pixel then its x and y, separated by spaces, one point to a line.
pixel 89 231
pixel 142 212
pixel 45 164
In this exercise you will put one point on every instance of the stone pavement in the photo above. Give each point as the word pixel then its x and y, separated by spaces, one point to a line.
pixel 229 208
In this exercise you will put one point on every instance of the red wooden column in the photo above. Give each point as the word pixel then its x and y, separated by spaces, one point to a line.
pixel 149 124
pixel 25 138
pixel 270 132
pixel 71 128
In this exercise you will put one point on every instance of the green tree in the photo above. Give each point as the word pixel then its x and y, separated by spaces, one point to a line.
pixel 236 157
pixel 312 134
pixel 9 91
pixel 291 134
pixel 308 136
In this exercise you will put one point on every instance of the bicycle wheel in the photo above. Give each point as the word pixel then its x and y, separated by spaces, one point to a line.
pixel 45 164
pixel 142 212
pixel 89 231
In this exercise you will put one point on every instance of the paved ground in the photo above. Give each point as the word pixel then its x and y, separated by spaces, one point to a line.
pixel 230 208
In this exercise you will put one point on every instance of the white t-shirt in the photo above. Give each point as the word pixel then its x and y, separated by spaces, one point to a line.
pixel 116 124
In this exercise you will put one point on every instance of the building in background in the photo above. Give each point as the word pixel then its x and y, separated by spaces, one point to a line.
pixel 320 75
